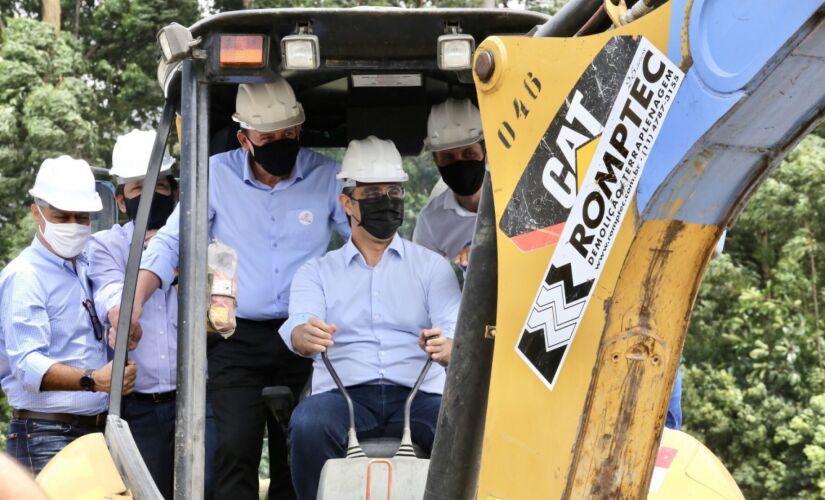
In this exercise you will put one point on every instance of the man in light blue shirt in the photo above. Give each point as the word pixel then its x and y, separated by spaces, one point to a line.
pixel 150 410
pixel 53 365
pixel 372 305
pixel 275 203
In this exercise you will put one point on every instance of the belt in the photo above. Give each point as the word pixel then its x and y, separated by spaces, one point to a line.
pixel 154 397
pixel 98 421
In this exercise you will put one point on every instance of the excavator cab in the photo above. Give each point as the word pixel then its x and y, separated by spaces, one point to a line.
pixel 623 137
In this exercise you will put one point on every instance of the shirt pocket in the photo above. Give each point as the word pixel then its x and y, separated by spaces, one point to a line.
pixel 307 228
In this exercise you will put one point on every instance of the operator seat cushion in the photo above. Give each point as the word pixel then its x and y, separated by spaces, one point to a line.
pixel 386 447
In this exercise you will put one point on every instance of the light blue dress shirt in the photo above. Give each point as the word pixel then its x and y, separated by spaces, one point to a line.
pixel 43 322
pixel 273 230
pixel 155 354
pixel 378 312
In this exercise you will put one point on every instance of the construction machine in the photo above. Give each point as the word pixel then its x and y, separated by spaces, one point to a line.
pixel 623 138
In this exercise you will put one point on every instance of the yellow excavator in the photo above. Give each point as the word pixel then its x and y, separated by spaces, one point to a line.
pixel 623 138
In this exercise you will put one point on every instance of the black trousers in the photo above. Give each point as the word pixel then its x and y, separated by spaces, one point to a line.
pixel 239 367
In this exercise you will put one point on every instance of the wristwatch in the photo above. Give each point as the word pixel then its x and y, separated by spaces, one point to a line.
pixel 87 382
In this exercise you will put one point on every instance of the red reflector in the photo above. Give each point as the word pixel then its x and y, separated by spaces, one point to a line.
pixel 242 50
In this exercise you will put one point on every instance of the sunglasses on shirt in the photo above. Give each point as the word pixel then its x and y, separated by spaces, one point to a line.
pixel 96 325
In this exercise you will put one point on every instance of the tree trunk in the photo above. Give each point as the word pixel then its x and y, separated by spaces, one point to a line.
pixel 51 13
pixel 815 296
pixel 76 28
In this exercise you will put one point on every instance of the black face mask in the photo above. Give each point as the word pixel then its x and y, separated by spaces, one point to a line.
pixel 464 177
pixel 277 157
pixel 162 207
pixel 382 217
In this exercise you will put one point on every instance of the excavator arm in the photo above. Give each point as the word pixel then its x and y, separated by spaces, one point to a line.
pixel 617 160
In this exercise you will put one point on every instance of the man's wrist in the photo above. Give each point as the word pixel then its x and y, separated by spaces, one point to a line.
pixel 87 381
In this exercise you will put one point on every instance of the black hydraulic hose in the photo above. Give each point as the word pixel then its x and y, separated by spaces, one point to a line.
pixel 456 456
pixel 569 19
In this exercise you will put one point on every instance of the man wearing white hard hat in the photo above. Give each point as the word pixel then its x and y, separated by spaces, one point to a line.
pixel 53 360
pixel 150 409
pixel 454 136
pixel 275 203
pixel 373 306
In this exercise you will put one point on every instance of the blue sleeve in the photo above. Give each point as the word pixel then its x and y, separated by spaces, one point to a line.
pixel 162 254
pixel 443 296
pixel 105 273
pixel 306 300
pixel 339 217
pixel 26 329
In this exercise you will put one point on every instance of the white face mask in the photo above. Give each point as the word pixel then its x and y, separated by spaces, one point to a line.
pixel 68 239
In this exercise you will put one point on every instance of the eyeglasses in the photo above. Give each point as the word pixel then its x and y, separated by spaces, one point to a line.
pixel 394 192
pixel 96 325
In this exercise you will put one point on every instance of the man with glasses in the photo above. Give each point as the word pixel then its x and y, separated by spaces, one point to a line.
pixel 372 305
pixel 275 203
pixel 52 354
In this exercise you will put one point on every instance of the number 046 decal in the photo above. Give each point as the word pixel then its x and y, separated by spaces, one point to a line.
pixel 631 128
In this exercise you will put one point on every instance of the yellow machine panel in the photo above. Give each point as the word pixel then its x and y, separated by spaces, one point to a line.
pixel 83 470
pixel 540 416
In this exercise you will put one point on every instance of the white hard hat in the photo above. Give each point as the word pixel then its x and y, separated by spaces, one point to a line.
pixel 452 124
pixel 130 156
pixel 67 184
pixel 371 160
pixel 267 107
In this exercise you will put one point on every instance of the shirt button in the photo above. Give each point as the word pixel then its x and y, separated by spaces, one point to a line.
pixel 162 356
pixel 376 316
pixel 161 332
pixel 277 270
pixel 375 294
pixel 381 372
pixel 274 245
pixel 272 218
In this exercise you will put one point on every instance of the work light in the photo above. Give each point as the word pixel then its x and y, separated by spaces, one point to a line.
pixel 455 52
pixel 300 52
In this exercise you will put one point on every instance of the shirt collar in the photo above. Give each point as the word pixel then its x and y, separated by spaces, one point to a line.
pixel 46 254
pixel 351 251
pixel 249 176
pixel 451 203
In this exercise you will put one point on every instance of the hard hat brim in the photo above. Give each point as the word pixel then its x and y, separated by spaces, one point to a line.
pixel 93 204
pixel 271 127
pixel 350 181
pixel 165 169
pixel 451 145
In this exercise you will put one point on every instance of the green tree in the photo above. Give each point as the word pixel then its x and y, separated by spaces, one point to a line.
pixel 754 373
pixel 47 110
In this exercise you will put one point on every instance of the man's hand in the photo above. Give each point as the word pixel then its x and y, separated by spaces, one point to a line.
pixel 436 345
pixel 149 234
pixel 103 378
pixel 312 337
pixel 463 258
pixel 135 331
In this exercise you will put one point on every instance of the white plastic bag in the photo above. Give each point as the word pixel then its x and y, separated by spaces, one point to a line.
pixel 222 264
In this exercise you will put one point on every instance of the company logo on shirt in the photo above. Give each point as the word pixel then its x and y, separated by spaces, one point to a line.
pixel 305 217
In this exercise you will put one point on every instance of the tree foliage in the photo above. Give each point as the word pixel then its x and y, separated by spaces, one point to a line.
pixel 754 378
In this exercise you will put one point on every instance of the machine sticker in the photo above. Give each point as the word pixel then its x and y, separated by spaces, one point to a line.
pixel 644 97
pixel 535 215
pixel 664 459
